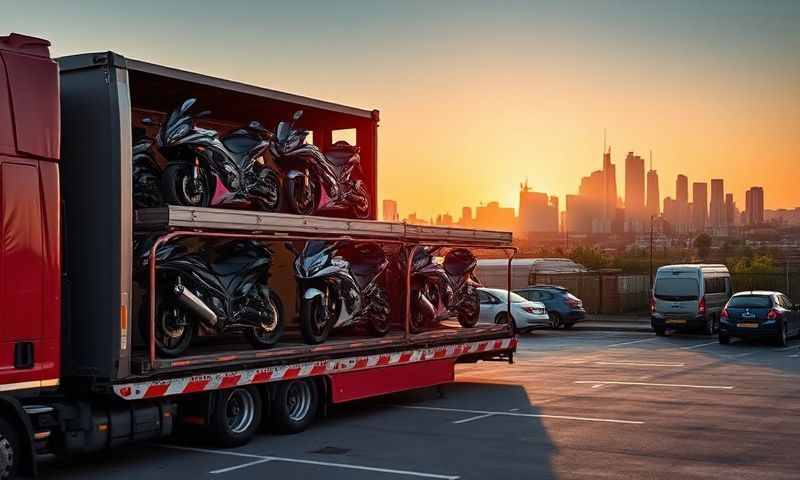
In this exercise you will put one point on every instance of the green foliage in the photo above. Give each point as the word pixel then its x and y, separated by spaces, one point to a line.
pixel 703 245
pixel 590 257
pixel 754 264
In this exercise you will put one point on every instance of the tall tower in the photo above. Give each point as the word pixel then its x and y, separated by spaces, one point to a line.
pixel 754 206
pixel 634 191
pixel 653 195
pixel 682 189
pixel 699 206
pixel 610 184
pixel 716 212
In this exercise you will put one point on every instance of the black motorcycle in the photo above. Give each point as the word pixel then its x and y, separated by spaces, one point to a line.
pixel 338 286
pixel 442 288
pixel 146 175
pixel 198 156
pixel 227 294
pixel 317 183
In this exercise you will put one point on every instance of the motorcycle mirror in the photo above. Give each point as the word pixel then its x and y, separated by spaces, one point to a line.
pixel 297 115
pixel 148 121
pixel 204 113
pixel 188 103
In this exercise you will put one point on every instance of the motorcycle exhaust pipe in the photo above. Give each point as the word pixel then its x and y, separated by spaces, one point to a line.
pixel 186 297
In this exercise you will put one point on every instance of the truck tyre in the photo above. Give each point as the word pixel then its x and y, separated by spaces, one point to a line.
pixel 236 415
pixel 295 405
pixel 9 450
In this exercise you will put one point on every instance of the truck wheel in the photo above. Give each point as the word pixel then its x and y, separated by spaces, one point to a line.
pixel 236 415
pixel 9 450
pixel 295 405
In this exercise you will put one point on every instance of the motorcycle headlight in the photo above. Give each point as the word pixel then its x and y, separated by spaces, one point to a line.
pixel 292 143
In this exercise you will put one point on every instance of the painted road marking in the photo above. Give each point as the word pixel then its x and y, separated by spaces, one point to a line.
pixel 265 458
pixel 690 347
pixel 476 417
pixel 643 384
pixel 513 414
pixel 637 364
pixel 784 349
pixel 633 341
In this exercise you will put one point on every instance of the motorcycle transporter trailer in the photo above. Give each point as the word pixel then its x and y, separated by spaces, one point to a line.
pixel 72 378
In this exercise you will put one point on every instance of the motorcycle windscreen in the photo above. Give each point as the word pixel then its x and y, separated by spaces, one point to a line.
pixel 459 261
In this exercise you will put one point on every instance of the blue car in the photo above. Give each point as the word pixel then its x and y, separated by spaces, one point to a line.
pixel 759 314
pixel 563 308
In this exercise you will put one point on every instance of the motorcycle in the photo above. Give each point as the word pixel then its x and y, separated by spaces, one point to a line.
pixel 338 286
pixel 197 157
pixel 228 294
pixel 146 176
pixel 315 182
pixel 442 288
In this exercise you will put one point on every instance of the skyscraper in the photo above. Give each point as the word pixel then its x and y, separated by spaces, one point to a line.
pixel 610 186
pixel 682 218
pixel 634 191
pixel 536 212
pixel 699 206
pixel 716 213
pixel 390 211
pixel 730 210
pixel 754 206
pixel 653 195
pixel 466 217
pixel 682 189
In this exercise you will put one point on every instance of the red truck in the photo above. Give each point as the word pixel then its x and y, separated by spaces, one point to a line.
pixel 76 374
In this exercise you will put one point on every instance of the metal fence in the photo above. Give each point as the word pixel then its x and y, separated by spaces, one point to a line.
pixel 788 284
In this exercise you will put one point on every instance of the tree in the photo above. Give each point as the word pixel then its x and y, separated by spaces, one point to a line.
pixel 589 257
pixel 703 245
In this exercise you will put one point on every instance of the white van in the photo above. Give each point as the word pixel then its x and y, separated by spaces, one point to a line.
pixel 688 297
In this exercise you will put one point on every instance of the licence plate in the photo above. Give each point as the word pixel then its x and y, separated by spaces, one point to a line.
pixel 676 322
pixel 747 325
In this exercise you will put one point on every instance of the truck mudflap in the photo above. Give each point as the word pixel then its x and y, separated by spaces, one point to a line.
pixel 222 380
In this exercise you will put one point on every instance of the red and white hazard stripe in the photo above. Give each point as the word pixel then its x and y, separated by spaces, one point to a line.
pixel 217 381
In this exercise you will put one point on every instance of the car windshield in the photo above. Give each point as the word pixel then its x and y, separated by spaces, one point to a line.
pixel 676 289
pixel 750 301
pixel 516 298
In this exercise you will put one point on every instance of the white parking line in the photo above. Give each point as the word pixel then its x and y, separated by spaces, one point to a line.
pixel 476 417
pixel 699 346
pixel 634 341
pixel 264 459
pixel 512 414
pixel 784 349
pixel 603 382
pixel 637 364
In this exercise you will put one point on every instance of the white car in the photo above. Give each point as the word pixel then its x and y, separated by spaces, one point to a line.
pixel 526 314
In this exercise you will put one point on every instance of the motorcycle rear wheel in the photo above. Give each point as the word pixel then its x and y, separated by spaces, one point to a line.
pixel 379 321
pixel 270 199
pixel 300 199
pixel 260 337
pixel 178 186
pixel 361 205
pixel 316 322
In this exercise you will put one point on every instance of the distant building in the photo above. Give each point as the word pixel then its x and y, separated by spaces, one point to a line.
pixel 579 214
pixel 537 212
pixel 730 210
pixel 609 187
pixel 754 206
pixel 414 220
pixel 494 217
pixel 466 217
pixel 634 192
pixel 390 213
pixel 716 211
pixel 699 206
pixel 653 198
pixel 444 220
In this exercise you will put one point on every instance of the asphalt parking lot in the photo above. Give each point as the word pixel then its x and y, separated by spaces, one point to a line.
pixel 576 404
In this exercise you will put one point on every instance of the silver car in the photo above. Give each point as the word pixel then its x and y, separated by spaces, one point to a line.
pixel 525 314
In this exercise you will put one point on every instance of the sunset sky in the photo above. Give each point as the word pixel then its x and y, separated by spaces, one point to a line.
pixel 476 96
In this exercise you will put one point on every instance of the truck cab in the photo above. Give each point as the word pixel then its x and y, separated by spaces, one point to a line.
pixel 30 290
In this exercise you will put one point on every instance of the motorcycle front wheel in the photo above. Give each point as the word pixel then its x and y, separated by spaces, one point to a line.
pixel 181 188
pixel 174 328
pixel 379 316
pixel 301 198
pixel 316 321
pixel 268 334
pixel 269 191
pixel 469 312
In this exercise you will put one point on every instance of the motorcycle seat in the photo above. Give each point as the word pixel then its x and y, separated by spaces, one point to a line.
pixel 240 142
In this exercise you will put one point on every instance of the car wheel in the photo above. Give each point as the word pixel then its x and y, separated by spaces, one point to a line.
pixel 568 326
pixel 724 339
pixel 503 318
pixel 709 329
pixel 783 336
pixel 660 331
pixel 555 320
